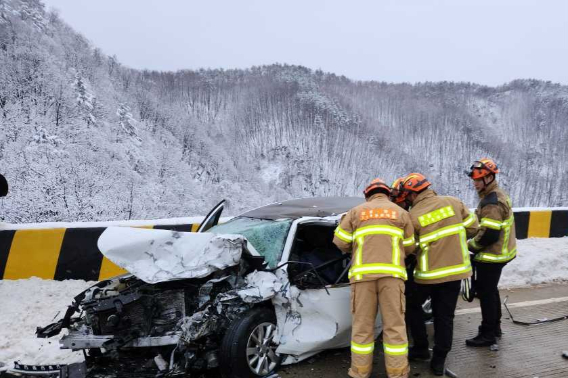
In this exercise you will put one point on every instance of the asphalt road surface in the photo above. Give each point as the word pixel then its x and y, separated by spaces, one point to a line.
pixel 524 351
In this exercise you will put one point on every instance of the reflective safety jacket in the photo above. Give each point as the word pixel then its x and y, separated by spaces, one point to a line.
pixel 495 241
pixel 442 225
pixel 379 234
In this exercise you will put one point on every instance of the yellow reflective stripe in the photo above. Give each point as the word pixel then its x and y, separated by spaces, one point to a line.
pixel 408 241
pixel 463 243
pixel 436 216
pixel 491 223
pixel 359 269
pixel 443 272
pixel 395 250
pixel 424 259
pixel 378 230
pixel 440 233
pixel 362 348
pixel 489 257
pixel 507 228
pixel 422 271
pixel 358 258
pixel 395 350
pixel 343 235
pixel 377 269
pixel 505 255
pixel 469 220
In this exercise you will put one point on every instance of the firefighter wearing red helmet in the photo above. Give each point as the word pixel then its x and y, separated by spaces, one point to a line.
pixel 442 225
pixel 494 246
pixel 379 235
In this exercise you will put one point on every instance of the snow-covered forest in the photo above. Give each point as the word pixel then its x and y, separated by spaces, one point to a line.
pixel 83 137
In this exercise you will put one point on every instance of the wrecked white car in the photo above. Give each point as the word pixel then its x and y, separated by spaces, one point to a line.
pixel 266 288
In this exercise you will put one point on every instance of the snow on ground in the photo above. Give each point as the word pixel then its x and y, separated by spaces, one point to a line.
pixel 27 304
pixel 538 261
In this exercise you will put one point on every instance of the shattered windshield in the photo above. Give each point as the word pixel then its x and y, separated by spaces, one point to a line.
pixel 266 236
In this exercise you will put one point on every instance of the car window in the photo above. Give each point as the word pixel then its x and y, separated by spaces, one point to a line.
pixel 267 236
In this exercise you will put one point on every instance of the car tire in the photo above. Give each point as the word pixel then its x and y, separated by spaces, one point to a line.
pixel 246 349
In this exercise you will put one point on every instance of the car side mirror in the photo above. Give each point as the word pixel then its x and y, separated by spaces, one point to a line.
pixel 3 186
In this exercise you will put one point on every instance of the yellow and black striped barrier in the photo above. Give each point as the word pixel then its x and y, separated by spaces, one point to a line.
pixel 60 253
pixel 72 253
pixel 541 223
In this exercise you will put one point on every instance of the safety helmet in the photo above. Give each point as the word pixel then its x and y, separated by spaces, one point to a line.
pixel 415 182
pixel 377 184
pixel 396 190
pixel 481 168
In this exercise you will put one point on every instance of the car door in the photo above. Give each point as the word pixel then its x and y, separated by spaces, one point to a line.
pixel 325 317
pixel 212 218
pixel 325 321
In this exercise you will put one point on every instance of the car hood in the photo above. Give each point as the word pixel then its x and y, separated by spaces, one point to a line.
pixel 160 255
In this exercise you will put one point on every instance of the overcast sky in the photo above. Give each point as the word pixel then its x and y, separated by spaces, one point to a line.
pixel 483 41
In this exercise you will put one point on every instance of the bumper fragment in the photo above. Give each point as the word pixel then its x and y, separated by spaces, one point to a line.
pixel 77 370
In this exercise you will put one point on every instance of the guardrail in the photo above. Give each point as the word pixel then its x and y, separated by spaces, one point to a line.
pixel 70 252
pixel 541 223
pixel 60 253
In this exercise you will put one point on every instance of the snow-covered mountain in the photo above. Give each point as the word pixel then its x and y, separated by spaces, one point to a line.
pixel 84 138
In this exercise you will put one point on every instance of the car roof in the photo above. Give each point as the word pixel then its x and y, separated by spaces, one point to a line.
pixel 305 207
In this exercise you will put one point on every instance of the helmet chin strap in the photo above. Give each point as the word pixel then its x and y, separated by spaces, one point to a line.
pixel 485 183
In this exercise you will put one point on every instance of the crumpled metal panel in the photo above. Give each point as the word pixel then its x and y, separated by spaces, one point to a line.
pixel 161 255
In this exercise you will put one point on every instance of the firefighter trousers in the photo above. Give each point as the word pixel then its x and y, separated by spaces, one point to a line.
pixel 386 294
pixel 488 275
pixel 444 300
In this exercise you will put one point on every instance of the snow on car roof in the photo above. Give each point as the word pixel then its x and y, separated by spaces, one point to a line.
pixel 305 207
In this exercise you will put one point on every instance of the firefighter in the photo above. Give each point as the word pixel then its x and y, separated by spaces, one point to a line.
pixel 379 234
pixel 493 246
pixel 441 226
pixel 396 193
pixel 410 261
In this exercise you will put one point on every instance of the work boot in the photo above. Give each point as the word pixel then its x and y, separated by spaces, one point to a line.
pixel 437 365
pixel 480 340
pixel 422 354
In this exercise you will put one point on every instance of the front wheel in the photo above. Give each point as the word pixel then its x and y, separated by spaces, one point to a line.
pixel 248 349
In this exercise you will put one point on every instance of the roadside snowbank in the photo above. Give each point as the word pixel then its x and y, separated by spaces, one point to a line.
pixel 26 304
pixel 539 261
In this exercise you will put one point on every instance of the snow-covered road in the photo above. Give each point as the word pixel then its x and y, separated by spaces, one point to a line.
pixel 26 304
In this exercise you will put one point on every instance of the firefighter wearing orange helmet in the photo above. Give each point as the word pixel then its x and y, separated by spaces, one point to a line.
pixel 493 246
pixel 396 193
pixel 397 197
pixel 442 225
pixel 378 234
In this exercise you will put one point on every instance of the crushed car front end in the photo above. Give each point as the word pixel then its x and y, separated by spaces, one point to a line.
pixel 174 310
